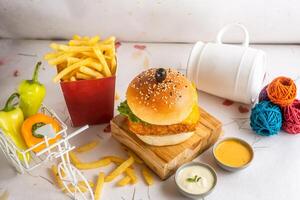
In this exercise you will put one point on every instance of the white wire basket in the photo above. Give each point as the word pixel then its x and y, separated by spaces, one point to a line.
pixel 70 175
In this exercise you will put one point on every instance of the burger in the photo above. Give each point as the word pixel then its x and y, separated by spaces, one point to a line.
pixel 161 107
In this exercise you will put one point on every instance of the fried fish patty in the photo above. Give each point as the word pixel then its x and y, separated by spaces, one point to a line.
pixel 150 129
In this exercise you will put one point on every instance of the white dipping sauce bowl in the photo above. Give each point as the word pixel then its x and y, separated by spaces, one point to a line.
pixel 192 195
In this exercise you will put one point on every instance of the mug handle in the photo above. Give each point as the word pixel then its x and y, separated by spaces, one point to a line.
pixel 227 27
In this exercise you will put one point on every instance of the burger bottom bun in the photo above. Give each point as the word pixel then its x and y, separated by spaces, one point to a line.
pixel 165 140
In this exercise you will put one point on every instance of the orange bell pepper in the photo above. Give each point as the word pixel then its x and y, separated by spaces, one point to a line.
pixel 34 122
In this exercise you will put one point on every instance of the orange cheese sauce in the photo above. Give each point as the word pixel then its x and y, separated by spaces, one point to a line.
pixel 233 153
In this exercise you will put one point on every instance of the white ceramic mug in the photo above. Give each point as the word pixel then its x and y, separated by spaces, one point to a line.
pixel 234 72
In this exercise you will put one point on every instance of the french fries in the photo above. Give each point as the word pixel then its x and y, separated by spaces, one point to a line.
pixel 80 186
pixel 115 159
pixel 74 159
pixel 61 59
pixel 123 168
pixel 94 164
pixel 124 181
pixel 87 147
pixel 88 57
pixel 99 186
pixel 77 42
pixel 131 174
pixel 147 176
pixel 102 60
pixel 119 170
pixel 82 76
pixel 56 177
pixel 72 78
pixel 53 55
pixel 90 72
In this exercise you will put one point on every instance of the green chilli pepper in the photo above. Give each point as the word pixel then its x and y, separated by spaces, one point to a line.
pixel 32 94
pixel 11 120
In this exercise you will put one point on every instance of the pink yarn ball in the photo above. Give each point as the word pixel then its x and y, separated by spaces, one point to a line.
pixel 291 118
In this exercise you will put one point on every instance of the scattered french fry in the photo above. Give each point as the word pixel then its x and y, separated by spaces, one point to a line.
pixel 99 186
pixel 147 176
pixel 115 159
pixel 91 184
pixel 119 170
pixel 81 186
pixel 73 189
pixel 131 173
pixel 73 158
pixel 124 181
pixel 87 147
pixel 94 164
pixel 56 177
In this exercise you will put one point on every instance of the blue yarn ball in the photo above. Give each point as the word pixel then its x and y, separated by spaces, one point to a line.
pixel 266 118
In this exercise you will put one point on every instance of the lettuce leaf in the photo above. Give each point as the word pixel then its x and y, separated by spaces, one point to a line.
pixel 124 109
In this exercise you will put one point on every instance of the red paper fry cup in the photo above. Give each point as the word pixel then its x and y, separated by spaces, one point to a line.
pixel 90 101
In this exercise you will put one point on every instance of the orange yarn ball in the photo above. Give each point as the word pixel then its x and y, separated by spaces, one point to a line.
pixel 282 91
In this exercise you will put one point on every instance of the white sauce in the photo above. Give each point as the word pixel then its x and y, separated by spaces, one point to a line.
pixel 204 184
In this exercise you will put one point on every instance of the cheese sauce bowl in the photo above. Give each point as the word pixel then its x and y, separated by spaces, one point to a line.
pixel 195 180
pixel 233 154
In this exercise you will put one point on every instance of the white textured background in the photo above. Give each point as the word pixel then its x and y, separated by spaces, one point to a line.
pixel 268 21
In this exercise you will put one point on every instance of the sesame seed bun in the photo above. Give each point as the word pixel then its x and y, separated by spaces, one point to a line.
pixel 161 103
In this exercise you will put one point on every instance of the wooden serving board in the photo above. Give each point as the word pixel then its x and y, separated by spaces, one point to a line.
pixel 165 160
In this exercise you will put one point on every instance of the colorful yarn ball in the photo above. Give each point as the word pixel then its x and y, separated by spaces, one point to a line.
pixel 263 95
pixel 291 118
pixel 282 91
pixel 266 118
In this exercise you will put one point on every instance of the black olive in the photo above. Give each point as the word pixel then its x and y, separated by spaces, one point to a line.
pixel 160 75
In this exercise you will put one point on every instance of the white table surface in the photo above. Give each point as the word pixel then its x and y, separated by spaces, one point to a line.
pixel 274 173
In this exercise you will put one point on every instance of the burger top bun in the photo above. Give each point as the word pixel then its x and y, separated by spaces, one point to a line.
pixel 161 96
